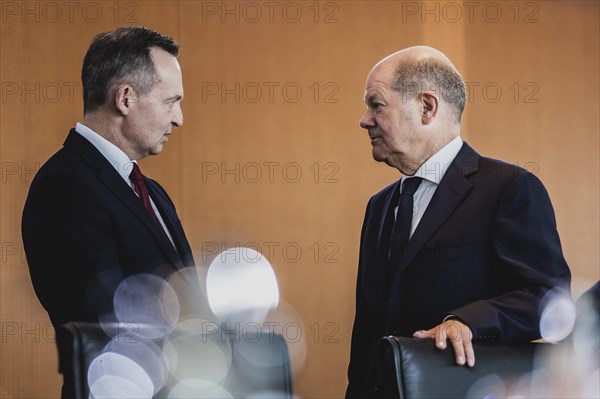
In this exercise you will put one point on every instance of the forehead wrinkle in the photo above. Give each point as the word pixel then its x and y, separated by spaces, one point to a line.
pixel 374 89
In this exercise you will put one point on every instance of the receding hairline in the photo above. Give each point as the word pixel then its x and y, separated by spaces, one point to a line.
pixel 410 55
pixel 420 68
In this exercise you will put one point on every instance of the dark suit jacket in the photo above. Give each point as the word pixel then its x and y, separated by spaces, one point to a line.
pixel 486 251
pixel 84 230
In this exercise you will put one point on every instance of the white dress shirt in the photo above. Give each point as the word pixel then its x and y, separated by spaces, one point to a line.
pixel 432 172
pixel 120 161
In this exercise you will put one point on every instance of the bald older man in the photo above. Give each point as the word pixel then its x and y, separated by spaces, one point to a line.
pixel 462 247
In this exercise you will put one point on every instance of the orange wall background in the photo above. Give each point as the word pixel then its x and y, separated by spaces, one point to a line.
pixel 271 154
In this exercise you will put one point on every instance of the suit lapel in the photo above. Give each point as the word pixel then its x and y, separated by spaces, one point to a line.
pixel 171 221
pixel 383 241
pixel 383 236
pixel 452 189
pixel 108 176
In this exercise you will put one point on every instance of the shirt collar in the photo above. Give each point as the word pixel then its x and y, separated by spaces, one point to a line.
pixel 435 167
pixel 115 156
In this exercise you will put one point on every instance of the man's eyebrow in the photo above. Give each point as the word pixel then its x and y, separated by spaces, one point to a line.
pixel 370 97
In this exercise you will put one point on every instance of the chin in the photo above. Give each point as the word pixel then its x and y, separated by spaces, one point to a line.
pixel 156 150
pixel 378 156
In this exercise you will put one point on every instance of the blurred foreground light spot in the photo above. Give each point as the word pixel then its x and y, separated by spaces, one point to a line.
pixel 558 316
pixel 488 387
pixel 197 388
pixel 112 386
pixel 241 286
pixel 203 355
pixel 591 385
pixel 146 299
pixel 112 375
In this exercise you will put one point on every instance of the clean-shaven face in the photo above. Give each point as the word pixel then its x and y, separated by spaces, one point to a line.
pixel 154 114
pixel 392 121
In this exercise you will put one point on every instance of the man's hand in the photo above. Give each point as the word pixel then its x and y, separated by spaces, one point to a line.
pixel 459 335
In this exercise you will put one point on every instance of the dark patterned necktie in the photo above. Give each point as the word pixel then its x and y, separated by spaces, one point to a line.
pixel 403 223
pixel 142 191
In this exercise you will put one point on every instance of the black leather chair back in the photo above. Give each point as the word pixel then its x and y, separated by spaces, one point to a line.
pixel 80 343
pixel 409 368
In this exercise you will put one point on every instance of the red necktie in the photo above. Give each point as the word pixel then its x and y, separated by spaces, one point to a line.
pixel 142 191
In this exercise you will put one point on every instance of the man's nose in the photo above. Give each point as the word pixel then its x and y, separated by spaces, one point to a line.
pixel 367 120
pixel 178 117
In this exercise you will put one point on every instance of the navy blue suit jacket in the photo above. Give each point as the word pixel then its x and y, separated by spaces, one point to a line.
pixel 84 230
pixel 486 251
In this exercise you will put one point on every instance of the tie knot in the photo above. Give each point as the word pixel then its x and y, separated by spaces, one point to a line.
pixel 410 185
pixel 136 173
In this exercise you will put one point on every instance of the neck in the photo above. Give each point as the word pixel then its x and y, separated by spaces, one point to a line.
pixel 427 152
pixel 102 125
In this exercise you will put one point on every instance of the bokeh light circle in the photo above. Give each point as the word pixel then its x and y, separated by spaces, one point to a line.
pixel 117 376
pixel 241 286
pixel 147 299
pixel 558 316
pixel 111 386
pixel 198 389
pixel 198 350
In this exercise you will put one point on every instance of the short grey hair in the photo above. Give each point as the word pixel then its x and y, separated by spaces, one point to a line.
pixel 414 76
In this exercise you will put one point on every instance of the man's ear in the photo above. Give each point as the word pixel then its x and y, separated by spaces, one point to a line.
pixel 124 97
pixel 429 107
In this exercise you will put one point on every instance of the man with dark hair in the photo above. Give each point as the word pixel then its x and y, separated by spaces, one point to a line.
pixel 462 247
pixel 121 56
pixel 91 218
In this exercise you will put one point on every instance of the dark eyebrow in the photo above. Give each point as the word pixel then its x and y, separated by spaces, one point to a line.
pixel 371 98
pixel 174 98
